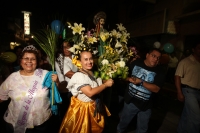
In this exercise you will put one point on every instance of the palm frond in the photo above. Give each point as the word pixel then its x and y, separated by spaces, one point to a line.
pixel 47 39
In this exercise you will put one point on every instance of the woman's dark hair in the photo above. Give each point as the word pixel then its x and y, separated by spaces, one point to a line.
pixel 69 43
pixel 30 51
pixel 61 50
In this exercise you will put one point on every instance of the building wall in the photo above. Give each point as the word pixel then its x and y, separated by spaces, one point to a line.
pixel 184 14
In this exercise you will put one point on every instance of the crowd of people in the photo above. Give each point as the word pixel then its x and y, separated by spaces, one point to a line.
pixel 78 94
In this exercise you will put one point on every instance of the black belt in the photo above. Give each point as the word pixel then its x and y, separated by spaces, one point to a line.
pixel 187 86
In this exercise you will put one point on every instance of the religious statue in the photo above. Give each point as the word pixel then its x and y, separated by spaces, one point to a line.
pixel 99 21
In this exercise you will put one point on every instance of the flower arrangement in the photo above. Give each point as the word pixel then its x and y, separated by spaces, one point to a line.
pixel 81 41
pixel 112 63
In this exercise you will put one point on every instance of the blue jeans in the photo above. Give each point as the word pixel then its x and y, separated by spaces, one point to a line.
pixel 128 113
pixel 190 118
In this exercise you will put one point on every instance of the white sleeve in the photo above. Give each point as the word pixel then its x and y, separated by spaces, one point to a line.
pixel 99 81
pixel 77 81
pixel 66 68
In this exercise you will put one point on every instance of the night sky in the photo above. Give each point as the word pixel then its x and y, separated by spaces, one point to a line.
pixel 44 12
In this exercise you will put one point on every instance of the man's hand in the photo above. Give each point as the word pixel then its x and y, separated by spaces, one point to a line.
pixel 180 97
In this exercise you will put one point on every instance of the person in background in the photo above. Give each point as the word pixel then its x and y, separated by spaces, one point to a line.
pixel 16 64
pixel 86 111
pixel 188 90
pixel 173 61
pixel 145 79
pixel 65 70
pixel 44 64
pixel 29 110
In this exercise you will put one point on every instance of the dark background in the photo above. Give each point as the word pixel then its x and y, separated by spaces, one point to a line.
pixel 44 12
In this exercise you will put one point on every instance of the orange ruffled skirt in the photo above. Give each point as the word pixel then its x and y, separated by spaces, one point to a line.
pixel 80 118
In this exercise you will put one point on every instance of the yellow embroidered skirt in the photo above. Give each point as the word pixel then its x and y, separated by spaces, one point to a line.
pixel 80 118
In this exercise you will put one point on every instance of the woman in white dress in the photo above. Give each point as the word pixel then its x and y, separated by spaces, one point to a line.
pixel 30 109
pixel 86 111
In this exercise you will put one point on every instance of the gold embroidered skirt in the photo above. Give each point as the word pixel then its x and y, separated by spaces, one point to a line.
pixel 80 118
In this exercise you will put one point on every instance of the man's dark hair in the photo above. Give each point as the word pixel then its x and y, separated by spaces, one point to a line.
pixel 156 49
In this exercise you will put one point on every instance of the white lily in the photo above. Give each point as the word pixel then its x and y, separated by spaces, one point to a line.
pixel 95 52
pixel 124 37
pixel 77 46
pixel 119 51
pixel 115 34
pixel 77 28
pixel 72 49
pixel 118 45
pixel 104 36
pixel 120 27
pixel 91 40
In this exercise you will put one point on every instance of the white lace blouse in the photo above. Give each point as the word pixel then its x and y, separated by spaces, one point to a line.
pixel 79 80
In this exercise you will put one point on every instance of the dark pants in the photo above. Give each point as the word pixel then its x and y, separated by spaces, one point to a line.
pixel 128 113
pixel 66 97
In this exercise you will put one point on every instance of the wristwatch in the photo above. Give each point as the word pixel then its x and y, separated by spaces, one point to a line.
pixel 141 83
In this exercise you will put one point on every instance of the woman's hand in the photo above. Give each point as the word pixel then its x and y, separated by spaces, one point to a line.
pixel 54 78
pixel 108 83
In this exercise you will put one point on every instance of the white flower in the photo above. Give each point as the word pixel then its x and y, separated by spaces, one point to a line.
pixel 118 45
pixel 77 28
pixel 115 34
pixel 95 52
pixel 119 51
pixel 77 46
pixel 110 73
pixel 72 49
pixel 120 64
pixel 104 62
pixel 104 36
pixel 120 27
pixel 91 39
pixel 124 37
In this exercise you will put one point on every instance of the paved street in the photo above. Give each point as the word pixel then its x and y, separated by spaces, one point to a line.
pixel 165 114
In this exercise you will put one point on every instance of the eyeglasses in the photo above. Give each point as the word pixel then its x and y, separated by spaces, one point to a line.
pixel 66 47
pixel 29 59
pixel 154 56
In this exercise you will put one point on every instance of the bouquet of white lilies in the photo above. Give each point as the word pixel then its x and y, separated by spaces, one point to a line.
pixel 112 63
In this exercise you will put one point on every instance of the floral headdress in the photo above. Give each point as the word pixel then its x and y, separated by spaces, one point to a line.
pixel 82 42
